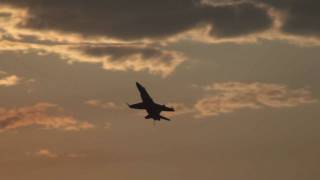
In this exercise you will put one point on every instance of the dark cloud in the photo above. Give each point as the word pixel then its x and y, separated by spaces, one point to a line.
pixel 133 35
pixel 138 19
pixel 238 19
pixel 302 16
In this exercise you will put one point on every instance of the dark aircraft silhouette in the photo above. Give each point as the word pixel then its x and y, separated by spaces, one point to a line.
pixel 153 109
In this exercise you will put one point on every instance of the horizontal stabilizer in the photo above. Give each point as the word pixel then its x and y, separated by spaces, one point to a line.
pixel 165 108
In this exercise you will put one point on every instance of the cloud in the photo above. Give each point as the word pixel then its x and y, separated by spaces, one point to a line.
pixel 103 105
pixel 9 81
pixel 75 155
pixel 107 125
pixel 120 38
pixel 153 19
pixel 297 17
pixel 45 115
pixel 47 153
pixel 140 19
pixel 111 54
pixel 134 57
pixel 300 17
pixel 111 57
pixel 180 109
pixel 232 96
pixel 134 35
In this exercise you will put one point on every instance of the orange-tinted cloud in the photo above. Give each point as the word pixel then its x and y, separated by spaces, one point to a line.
pixel 45 115
pixel 180 109
pixel 111 54
pixel 103 105
pixel 47 153
pixel 9 81
pixel 232 96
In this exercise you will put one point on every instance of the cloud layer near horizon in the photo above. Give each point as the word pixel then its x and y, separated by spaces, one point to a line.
pixel 41 114
pixel 133 35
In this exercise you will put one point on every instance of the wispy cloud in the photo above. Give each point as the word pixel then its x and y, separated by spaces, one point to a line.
pixel 9 81
pixel 47 153
pixel 75 155
pixel 45 115
pixel 232 96
pixel 107 125
pixel 180 109
pixel 103 105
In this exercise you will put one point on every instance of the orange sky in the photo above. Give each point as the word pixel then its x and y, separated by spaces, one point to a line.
pixel 242 76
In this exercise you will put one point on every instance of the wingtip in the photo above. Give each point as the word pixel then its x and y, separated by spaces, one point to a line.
pixel 139 85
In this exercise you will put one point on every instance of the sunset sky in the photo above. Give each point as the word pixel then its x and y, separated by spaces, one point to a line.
pixel 243 76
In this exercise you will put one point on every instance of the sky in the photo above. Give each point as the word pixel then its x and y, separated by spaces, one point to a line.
pixel 241 74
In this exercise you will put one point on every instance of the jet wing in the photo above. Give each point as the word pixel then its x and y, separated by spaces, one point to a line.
pixel 137 106
pixel 144 94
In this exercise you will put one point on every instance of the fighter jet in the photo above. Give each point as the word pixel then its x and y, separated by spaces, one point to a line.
pixel 153 109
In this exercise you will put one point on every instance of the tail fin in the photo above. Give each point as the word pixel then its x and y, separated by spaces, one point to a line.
pixel 162 117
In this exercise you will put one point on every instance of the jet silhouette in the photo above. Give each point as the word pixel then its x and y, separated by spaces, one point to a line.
pixel 153 109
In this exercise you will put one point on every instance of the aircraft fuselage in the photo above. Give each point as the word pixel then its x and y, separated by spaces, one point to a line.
pixel 153 109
